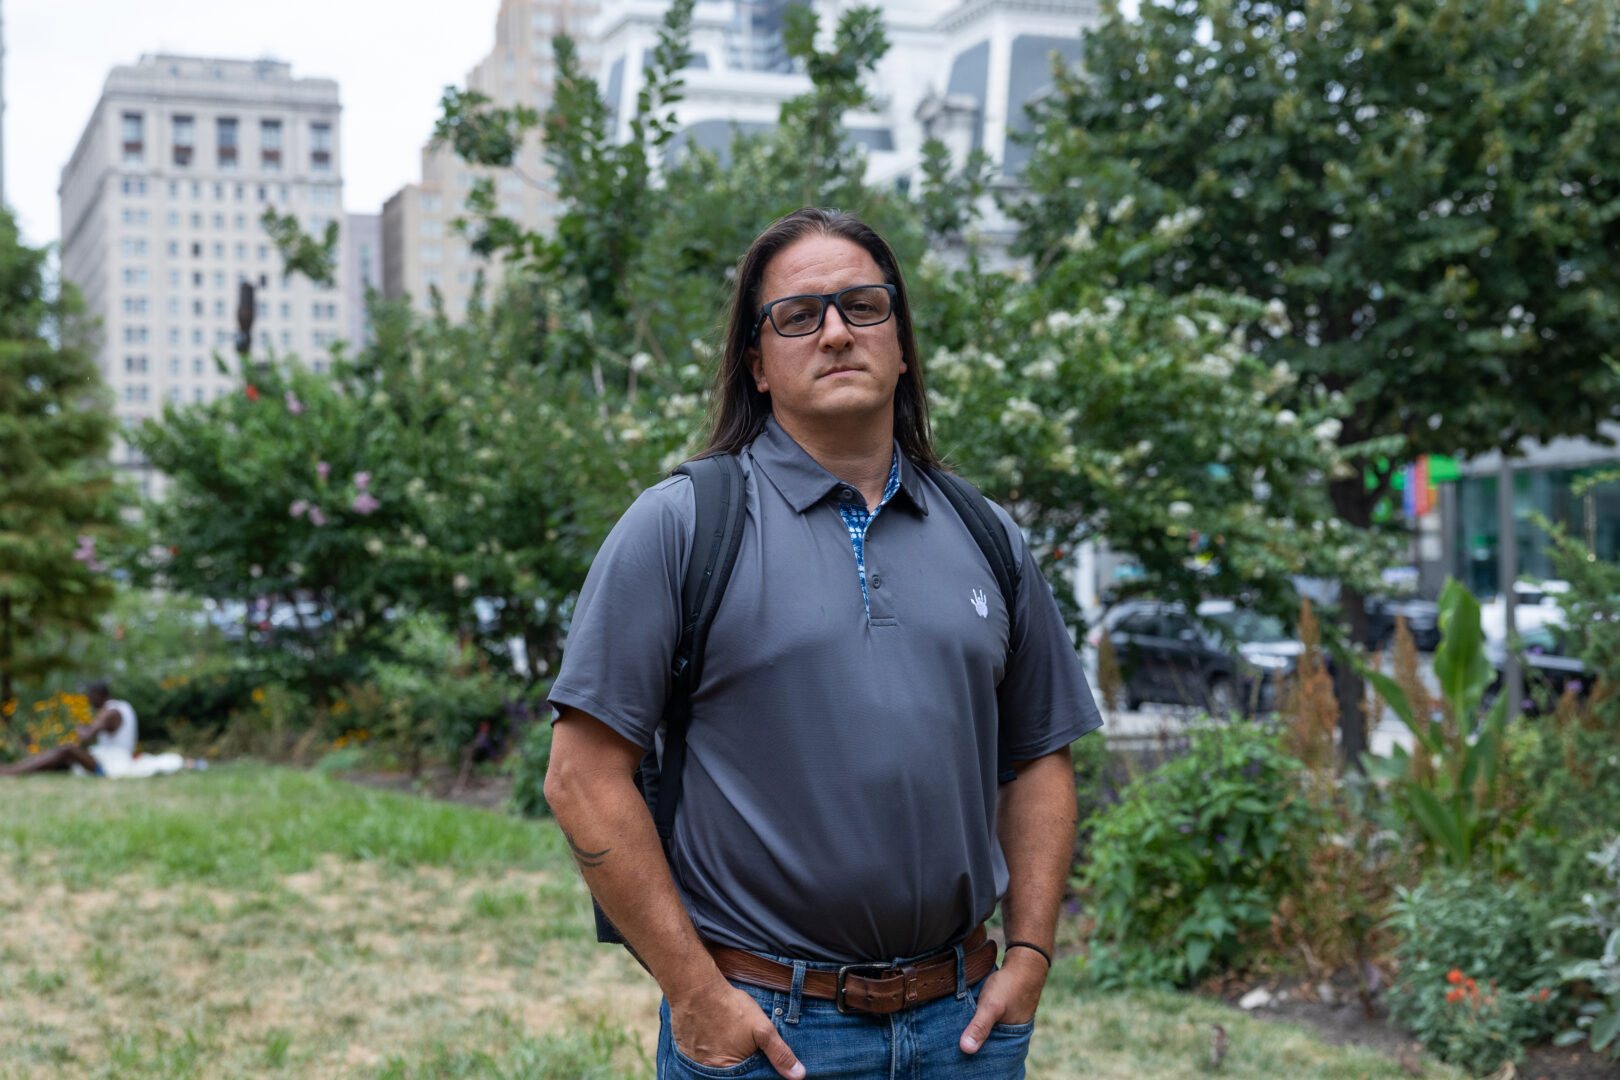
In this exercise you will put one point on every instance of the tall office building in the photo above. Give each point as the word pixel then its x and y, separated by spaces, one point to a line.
pixel 362 272
pixel 160 223
pixel 422 250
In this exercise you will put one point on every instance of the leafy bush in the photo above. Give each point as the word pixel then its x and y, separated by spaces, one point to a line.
pixel 1599 1020
pixel 427 696
pixel 527 766
pixel 1475 977
pixel 1573 768
pixel 1187 871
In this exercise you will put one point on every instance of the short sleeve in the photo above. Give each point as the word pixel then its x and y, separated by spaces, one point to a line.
pixel 627 621
pixel 1043 700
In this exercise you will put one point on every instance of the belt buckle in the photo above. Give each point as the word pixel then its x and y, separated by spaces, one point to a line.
pixel 843 975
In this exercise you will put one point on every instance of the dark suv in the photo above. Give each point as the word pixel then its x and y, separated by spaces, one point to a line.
pixel 1228 659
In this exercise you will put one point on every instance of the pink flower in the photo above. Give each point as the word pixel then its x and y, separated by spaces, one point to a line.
pixel 294 406
pixel 298 507
pixel 86 551
pixel 362 480
pixel 316 518
pixel 365 503
pixel 322 469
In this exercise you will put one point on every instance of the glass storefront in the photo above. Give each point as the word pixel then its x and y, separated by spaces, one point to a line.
pixel 1593 518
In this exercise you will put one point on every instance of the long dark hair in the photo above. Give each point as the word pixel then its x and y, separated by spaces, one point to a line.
pixel 738 410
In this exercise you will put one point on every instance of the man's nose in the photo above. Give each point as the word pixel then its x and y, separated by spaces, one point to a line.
pixel 835 332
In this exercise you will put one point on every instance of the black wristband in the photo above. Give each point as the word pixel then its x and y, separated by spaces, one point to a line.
pixel 1011 945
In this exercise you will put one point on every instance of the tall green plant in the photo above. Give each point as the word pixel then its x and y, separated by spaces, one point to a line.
pixel 1454 802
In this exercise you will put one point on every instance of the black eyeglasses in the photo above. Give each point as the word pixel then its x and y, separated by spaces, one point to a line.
pixel 800 316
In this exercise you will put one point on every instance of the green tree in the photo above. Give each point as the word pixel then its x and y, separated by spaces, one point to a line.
pixel 58 497
pixel 1423 187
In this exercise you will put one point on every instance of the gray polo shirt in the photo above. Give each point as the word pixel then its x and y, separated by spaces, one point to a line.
pixel 840 785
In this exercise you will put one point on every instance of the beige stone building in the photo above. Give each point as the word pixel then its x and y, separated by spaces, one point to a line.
pixel 422 250
pixel 160 224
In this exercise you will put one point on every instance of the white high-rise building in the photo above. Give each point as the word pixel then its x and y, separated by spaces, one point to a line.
pixel 422 251
pixel 160 223
pixel 962 72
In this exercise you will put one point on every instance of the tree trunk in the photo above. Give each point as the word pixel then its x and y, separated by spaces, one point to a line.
pixel 1354 505
pixel 5 648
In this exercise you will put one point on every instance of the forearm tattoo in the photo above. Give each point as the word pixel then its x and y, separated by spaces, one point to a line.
pixel 586 859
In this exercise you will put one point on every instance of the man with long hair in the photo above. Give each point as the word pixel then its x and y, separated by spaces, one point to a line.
pixel 844 831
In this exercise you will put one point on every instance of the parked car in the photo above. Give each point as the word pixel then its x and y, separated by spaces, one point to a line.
pixel 1422 619
pixel 1548 665
pixel 1226 659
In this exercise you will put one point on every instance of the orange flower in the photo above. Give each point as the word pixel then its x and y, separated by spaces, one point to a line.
pixel 1454 976
pixel 1453 996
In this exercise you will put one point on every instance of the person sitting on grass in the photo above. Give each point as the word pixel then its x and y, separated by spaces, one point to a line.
pixel 112 753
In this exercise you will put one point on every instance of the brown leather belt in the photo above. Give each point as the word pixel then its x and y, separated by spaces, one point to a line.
pixel 870 988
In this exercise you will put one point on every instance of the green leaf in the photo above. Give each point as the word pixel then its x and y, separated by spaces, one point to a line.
pixel 1605 1029
pixel 1438 822
pixel 1460 663
pixel 1198 951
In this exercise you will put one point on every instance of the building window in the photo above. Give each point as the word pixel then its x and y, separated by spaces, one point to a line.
pixel 264 252
pixel 134 275
pixel 431 253
pixel 174 365
pixel 320 147
pixel 135 335
pixel 226 127
pixel 196 365
pixel 241 252
pixel 286 310
pixel 135 365
pixel 134 132
pixel 219 250
pixel 196 250
pixel 133 185
pixel 174 334
pixel 196 307
pixel 430 227
pixel 197 394
pixel 240 192
pixel 185 141
pixel 270 146
pixel 196 335
pixel 239 221
pixel 219 309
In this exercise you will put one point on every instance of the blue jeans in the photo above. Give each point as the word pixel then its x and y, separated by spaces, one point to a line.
pixel 920 1043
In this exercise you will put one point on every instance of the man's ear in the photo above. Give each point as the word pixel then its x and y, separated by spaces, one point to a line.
pixel 756 367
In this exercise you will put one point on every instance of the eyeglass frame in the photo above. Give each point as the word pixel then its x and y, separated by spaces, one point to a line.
pixel 826 299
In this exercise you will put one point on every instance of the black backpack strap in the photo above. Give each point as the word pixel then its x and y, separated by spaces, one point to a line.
pixel 719 497
pixel 718 494
pixel 974 510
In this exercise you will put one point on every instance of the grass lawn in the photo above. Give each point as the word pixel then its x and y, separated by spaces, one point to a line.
pixel 253 921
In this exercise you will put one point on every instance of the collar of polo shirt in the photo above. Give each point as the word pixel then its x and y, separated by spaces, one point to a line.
pixel 804 483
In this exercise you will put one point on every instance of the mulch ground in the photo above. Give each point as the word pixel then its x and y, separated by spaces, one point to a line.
pixel 1339 1017
pixel 441 782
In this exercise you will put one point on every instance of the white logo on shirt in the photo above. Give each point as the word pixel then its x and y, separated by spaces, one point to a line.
pixel 979 604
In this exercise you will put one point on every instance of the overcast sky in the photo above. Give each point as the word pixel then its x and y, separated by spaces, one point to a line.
pixel 391 59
